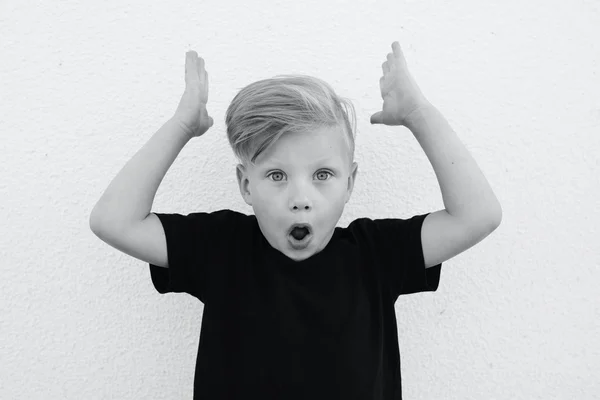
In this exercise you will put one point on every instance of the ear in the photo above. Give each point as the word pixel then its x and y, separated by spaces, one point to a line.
pixel 351 179
pixel 243 183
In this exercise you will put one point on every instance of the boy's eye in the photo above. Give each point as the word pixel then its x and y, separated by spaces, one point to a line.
pixel 276 176
pixel 323 175
pixel 279 176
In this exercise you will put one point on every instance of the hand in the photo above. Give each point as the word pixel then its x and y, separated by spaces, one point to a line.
pixel 191 112
pixel 400 93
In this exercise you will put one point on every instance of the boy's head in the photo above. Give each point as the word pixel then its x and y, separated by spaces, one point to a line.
pixel 293 137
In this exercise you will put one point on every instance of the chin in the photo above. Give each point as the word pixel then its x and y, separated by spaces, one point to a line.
pixel 296 256
pixel 302 253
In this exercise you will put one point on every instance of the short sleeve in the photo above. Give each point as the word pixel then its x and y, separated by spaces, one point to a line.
pixel 196 247
pixel 398 251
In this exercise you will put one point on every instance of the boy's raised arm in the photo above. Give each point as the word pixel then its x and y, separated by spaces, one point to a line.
pixel 122 216
pixel 472 210
pixel 129 197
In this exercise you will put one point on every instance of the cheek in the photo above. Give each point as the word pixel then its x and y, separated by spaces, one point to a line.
pixel 269 193
pixel 263 194
pixel 265 203
pixel 340 196
pixel 337 191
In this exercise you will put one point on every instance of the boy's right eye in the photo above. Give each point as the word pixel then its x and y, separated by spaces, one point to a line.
pixel 276 176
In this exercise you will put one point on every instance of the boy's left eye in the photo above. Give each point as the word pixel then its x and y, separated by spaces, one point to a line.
pixel 323 175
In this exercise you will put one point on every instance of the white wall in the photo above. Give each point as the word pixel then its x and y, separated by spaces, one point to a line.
pixel 83 85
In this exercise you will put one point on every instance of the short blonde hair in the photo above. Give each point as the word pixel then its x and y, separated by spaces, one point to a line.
pixel 267 109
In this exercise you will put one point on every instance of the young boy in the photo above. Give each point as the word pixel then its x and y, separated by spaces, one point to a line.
pixel 295 307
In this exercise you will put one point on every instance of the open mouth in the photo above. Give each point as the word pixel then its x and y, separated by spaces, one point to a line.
pixel 300 234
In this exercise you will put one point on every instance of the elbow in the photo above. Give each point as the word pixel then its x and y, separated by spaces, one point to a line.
pixel 496 216
pixel 94 224
pixel 97 220
pixel 485 221
pixel 493 220
pixel 491 215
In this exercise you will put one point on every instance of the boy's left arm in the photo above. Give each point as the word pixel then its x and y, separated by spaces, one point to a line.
pixel 472 210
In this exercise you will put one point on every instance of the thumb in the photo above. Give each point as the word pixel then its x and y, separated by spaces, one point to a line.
pixel 376 118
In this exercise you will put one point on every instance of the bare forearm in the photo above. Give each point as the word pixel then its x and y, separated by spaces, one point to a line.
pixel 465 190
pixel 130 195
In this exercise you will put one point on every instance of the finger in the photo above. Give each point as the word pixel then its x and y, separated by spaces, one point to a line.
pixel 385 68
pixel 203 79
pixel 376 118
pixel 397 50
pixel 391 60
pixel 398 53
pixel 205 85
pixel 200 71
pixel 190 66
pixel 200 63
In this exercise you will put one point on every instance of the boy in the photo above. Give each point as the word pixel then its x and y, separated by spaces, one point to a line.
pixel 295 307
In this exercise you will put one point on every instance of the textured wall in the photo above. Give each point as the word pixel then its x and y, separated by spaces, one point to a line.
pixel 83 85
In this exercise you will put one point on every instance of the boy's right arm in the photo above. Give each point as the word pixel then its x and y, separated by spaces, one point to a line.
pixel 122 216
pixel 143 240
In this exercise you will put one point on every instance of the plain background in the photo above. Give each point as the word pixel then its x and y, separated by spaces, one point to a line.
pixel 83 85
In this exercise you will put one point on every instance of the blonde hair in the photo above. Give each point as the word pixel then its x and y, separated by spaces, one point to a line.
pixel 267 109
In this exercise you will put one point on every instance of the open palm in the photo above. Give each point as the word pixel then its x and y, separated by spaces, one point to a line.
pixel 191 112
pixel 401 94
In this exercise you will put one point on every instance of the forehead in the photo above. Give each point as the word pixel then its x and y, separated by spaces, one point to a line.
pixel 319 144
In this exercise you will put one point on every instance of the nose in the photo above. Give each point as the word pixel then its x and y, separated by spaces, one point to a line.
pixel 301 204
pixel 299 200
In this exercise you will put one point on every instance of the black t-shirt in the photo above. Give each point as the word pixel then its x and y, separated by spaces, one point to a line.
pixel 275 328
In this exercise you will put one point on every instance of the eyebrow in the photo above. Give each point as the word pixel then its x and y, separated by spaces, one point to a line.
pixel 325 160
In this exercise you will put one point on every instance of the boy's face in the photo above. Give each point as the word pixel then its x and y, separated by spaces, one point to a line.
pixel 302 179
